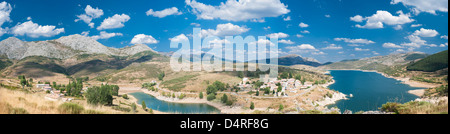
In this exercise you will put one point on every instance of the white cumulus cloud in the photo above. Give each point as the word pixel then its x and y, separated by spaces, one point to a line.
pixel 333 47
pixel 429 6
pixel 238 10
pixel 360 49
pixel 391 45
pixel 426 32
pixel 355 41
pixel 179 38
pixel 225 30
pixel 143 39
pixel 116 21
pixel 286 42
pixel 164 13
pixel 34 30
pixel 381 18
pixel 90 13
pixel 279 35
pixel 5 11
pixel 303 25
pixel 105 35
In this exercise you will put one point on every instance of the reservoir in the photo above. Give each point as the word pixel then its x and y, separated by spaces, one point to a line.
pixel 370 90
pixel 169 107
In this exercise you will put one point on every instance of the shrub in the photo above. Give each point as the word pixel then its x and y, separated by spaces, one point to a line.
pixel 391 107
pixel 70 108
pixel 125 96
pixel 281 107
pixel 123 109
pixel 18 111
pixel 252 106
pixel 229 103
pixel 200 95
pixel 161 76
pixel 182 96
pixel 211 97
pixel 329 95
pixel 92 112
pixel 224 98
pixel 133 107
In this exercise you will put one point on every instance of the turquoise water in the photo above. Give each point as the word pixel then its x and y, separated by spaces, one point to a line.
pixel 370 90
pixel 169 107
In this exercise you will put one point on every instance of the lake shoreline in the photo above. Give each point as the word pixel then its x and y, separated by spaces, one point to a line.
pixel 221 107
pixel 383 89
pixel 407 81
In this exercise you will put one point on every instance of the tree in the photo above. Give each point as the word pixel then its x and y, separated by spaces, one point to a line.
pixel 280 88
pixel 224 98
pixel 258 84
pixel 144 106
pixel 241 74
pixel 200 95
pixel 161 76
pixel 211 89
pixel 281 107
pixel 284 75
pixel 99 95
pixel 133 107
pixel 23 81
pixel 257 93
pixel 266 90
pixel 219 85
pixel 298 77
pixel 252 106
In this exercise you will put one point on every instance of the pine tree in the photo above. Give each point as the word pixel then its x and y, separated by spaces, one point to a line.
pixel 144 106
pixel 200 95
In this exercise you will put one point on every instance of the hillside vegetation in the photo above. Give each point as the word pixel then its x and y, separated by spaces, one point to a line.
pixel 431 63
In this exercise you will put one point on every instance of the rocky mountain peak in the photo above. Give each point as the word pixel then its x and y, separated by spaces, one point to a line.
pixel 64 47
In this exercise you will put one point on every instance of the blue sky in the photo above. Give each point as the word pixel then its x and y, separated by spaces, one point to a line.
pixel 331 30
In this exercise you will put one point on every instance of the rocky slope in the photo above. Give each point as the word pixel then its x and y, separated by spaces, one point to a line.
pixel 63 48
pixel 377 62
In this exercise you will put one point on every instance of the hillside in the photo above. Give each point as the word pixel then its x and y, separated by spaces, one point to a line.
pixel 431 63
pixel 68 57
pixel 291 60
pixel 377 63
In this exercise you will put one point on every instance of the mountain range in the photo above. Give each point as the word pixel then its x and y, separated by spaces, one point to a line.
pixel 63 48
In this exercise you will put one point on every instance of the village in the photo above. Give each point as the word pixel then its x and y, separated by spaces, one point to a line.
pixel 278 88
pixel 53 94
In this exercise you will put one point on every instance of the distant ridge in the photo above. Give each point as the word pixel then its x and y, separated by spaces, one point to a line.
pixel 294 59
pixel 375 63
pixel 63 48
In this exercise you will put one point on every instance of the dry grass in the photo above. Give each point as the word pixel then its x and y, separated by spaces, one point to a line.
pixel 36 104
pixel 32 103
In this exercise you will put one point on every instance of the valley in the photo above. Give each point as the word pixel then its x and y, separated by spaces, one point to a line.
pixel 301 88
